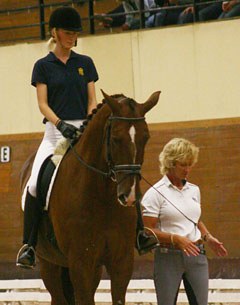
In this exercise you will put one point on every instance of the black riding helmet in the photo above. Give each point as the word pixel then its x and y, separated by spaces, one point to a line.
pixel 66 18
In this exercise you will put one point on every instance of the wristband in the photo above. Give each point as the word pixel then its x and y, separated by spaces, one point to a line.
pixel 205 236
pixel 57 121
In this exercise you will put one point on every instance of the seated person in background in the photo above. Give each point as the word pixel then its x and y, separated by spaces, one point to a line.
pixel 169 16
pixel 230 9
pixel 151 19
pixel 205 13
pixel 219 10
pixel 109 21
pixel 132 21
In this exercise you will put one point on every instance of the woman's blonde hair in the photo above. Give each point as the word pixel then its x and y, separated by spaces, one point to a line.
pixel 177 149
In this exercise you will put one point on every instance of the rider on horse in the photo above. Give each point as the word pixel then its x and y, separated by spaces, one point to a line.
pixel 64 99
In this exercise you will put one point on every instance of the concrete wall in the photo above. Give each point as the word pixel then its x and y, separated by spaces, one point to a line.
pixel 195 67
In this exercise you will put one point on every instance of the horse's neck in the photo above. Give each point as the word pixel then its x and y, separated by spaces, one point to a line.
pixel 91 145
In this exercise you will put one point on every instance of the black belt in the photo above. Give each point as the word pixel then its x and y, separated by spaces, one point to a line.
pixel 166 248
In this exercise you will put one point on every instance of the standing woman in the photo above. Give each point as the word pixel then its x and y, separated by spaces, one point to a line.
pixel 65 84
pixel 172 210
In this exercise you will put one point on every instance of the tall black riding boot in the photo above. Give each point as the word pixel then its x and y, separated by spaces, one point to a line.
pixel 32 215
pixel 144 242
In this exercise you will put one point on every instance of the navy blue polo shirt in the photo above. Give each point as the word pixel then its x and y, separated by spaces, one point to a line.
pixel 66 83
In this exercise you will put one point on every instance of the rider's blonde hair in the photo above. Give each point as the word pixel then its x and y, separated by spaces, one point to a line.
pixel 52 40
pixel 177 149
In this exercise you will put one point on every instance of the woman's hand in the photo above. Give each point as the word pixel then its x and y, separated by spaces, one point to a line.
pixel 228 5
pixel 216 246
pixel 125 27
pixel 188 10
pixel 186 245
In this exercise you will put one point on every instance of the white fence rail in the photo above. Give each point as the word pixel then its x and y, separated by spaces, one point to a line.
pixel 221 292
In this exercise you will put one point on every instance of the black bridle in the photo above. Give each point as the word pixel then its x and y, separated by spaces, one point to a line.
pixel 127 169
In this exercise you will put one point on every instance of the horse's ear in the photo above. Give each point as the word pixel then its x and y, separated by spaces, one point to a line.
pixel 113 104
pixel 150 103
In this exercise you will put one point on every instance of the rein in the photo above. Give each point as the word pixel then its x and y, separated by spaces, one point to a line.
pixel 129 169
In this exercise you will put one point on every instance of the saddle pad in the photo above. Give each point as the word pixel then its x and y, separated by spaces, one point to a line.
pixel 49 175
pixel 48 185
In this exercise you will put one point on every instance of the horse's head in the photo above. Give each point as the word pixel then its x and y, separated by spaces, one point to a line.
pixel 127 135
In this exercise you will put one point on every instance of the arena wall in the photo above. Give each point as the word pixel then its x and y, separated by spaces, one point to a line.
pixel 216 173
pixel 195 67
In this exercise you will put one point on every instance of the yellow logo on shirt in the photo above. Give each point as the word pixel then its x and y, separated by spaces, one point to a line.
pixel 81 71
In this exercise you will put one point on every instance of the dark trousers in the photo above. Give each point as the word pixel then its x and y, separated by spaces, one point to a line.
pixel 117 20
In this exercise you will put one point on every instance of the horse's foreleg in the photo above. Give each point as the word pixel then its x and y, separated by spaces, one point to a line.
pixel 52 278
pixel 85 279
pixel 120 272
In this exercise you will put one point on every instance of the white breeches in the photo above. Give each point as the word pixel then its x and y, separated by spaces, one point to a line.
pixel 46 148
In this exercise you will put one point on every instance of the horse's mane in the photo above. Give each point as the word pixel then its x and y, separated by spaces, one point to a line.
pixel 119 97
pixel 63 145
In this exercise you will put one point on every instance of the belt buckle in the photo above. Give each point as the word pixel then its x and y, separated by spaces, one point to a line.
pixel 163 250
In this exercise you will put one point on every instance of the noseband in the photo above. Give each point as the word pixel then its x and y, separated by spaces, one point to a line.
pixel 127 169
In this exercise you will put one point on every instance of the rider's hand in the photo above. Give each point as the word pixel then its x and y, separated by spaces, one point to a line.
pixel 67 130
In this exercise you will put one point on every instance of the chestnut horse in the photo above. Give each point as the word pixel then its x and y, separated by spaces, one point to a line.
pixel 91 206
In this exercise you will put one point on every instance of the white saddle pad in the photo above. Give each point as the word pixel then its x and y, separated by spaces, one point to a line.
pixel 61 148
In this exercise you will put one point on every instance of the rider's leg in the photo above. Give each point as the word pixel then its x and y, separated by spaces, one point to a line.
pixel 33 208
pixel 144 242
pixel 32 215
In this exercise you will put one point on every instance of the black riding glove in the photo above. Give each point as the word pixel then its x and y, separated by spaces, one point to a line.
pixel 67 130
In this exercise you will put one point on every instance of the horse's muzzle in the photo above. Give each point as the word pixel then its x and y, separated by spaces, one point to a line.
pixel 126 177
pixel 126 201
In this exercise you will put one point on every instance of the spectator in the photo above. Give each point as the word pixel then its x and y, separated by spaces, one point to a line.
pixel 170 14
pixel 230 9
pixel 218 10
pixel 109 20
pixel 133 20
pixel 172 210
pixel 205 13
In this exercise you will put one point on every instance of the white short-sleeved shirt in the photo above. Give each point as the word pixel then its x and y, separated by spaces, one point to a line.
pixel 165 201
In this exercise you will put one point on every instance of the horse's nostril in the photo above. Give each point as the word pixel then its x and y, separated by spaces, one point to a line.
pixel 122 199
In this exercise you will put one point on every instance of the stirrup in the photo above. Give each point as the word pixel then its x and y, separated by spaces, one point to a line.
pixel 152 242
pixel 20 252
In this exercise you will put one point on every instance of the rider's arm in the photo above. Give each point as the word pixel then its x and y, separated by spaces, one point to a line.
pixel 43 103
pixel 92 101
